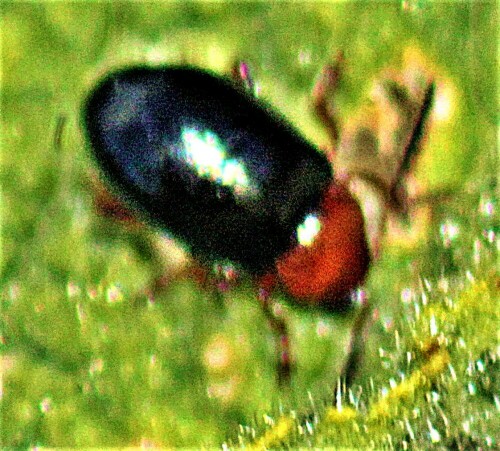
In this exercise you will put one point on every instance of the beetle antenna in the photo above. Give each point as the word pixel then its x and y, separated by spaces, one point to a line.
pixel 419 129
pixel 240 72
pixel 325 87
pixel 397 194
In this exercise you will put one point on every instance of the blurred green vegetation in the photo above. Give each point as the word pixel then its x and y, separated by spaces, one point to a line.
pixel 88 361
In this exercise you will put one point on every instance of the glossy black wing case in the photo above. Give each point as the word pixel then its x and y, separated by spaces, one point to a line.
pixel 205 161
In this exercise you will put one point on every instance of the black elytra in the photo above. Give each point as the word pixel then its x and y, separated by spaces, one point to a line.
pixel 205 161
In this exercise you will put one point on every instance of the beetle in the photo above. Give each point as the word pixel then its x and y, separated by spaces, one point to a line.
pixel 198 156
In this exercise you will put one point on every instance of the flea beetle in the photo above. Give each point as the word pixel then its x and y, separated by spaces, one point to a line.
pixel 198 156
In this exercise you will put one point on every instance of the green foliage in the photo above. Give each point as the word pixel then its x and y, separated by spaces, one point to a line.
pixel 88 360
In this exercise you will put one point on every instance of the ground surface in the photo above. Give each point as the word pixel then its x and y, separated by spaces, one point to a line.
pixel 83 352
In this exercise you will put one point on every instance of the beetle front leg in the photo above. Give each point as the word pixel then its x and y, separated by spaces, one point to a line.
pixel 358 337
pixel 281 336
pixel 242 75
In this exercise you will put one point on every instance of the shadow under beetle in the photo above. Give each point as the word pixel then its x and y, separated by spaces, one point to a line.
pixel 197 155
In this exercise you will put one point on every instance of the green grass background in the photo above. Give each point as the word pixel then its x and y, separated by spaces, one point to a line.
pixel 81 370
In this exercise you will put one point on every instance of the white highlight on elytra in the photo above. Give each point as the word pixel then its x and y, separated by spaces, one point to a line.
pixel 207 155
pixel 308 230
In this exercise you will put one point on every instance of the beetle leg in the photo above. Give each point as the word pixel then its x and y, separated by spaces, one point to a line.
pixel 107 205
pixel 357 342
pixel 281 336
pixel 242 75
pixel 324 88
pixel 166 260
